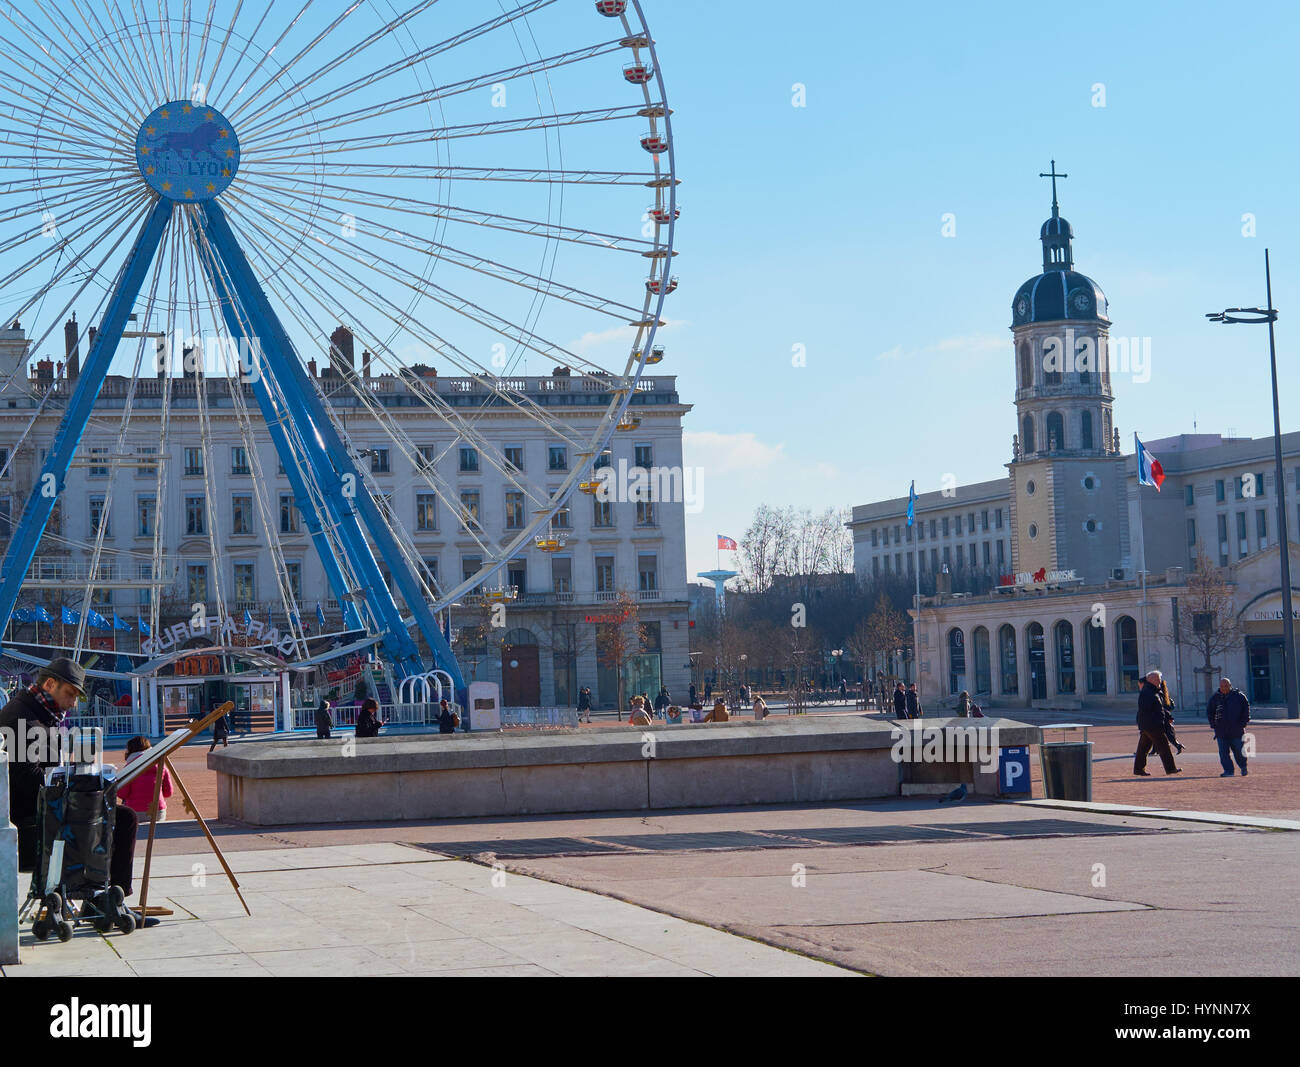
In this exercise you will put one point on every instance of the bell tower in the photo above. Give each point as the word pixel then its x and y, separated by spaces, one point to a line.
pixel 1065 469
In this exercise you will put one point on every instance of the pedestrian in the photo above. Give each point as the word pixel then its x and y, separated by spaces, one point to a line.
pixel 1229 712
pixel 719 713
pixel 584 703
pixel 708 692
pixel 760 707
pixel 692 700
pixel 900 701
pixel 448 720
pixel 1151 723
pixel 640 714
pixel 324 720
pixel 963 705
pixel 220 732
pixel 913 702
pixel 662 700
pixel 368 721
pixel 1168 703
pixel 844 690
pixel 137 794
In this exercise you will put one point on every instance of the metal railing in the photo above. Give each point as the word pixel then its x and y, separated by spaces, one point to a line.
pixel 539 719
pixel 304 718
pixel 115 722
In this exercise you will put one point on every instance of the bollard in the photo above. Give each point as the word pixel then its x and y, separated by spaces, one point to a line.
pixel 8 868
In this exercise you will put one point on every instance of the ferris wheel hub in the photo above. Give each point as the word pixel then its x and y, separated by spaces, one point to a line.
pixel 187 152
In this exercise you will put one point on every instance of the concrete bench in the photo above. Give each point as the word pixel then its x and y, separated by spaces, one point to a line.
pixel 777 760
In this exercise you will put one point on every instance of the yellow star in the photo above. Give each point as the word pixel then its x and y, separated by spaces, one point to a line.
pixel 189 194
pixel 144 150
pixel 225 133
pixel 230 153
pixel 150 130
pixel 186 109
pixel 148 170
pixel 211 188
pixel 225 172
pixel 210 115
pixel 165 113
pixel 167 187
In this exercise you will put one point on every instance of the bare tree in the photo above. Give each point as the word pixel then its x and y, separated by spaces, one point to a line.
pixel 1209 621
pixel 620 639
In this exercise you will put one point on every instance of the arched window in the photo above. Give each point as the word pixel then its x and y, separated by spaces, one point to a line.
pixel 956 661
pixel 1037 661
pixel 1026 366
pixel 983 675
pixel 1053 357
pixel 1085 430
pixel 1007 660
pixel 1126 642
pixel 1027 438
pixel 1064 639
pixel 1055 431
pixel 1095 643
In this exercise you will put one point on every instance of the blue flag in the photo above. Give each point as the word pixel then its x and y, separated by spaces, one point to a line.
pixel 320 616
pixel 248 618
pixel 21 615
pixel 69 617
pixel 95 619
pixel 120 623
pixel 911 504
pixel 41 614
pixel 144 626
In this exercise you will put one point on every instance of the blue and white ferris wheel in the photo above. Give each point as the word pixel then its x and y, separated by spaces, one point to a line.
pixel 466 184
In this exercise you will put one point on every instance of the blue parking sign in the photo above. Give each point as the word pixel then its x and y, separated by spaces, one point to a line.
pixel 1013 771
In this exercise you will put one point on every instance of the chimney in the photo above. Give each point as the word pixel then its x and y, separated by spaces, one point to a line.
pixel 365 364
pixel 311 367
pixel 341 350
pixel 161 359
pixel 70 347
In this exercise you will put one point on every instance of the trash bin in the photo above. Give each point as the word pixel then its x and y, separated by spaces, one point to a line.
pixel 1067 765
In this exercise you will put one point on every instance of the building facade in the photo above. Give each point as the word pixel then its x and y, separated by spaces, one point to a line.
pixel 1060 614
pixel 223 499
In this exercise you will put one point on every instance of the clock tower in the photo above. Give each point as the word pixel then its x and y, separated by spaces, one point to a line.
pixel 1066 470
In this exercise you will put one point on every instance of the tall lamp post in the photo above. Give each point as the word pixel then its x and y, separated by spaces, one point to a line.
pixel 1269 315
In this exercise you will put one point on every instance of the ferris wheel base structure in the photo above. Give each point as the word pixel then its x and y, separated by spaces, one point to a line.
pixel 294 414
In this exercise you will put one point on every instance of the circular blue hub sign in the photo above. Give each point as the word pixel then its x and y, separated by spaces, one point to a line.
pixel 187 152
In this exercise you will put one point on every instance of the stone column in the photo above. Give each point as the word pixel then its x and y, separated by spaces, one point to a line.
pixel 8 869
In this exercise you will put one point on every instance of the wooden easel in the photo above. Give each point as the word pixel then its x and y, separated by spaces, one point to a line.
pixel 194 730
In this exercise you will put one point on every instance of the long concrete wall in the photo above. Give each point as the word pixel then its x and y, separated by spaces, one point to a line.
pixel 612 769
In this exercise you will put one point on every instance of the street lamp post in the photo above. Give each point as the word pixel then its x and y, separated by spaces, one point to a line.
pixel 1269 315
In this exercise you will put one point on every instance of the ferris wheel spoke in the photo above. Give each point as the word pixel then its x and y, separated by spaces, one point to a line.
pixel 372 78
pixel 270 52
pixel 221 50
pixel 56 90
pixel 450 133
pixel 442 92
pixel 243 52
pixel 72 199
pixel 83 47
pixel 380 34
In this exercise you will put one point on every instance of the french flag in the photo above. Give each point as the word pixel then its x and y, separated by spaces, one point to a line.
pixel 1149 470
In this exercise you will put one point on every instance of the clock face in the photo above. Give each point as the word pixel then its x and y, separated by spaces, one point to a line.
pixel 1022 306
pixel 1081 301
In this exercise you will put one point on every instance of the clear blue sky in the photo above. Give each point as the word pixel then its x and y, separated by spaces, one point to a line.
pixel 821 226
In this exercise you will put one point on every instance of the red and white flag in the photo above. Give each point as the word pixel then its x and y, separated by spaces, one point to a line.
pixel 1149 470
pixel 727 543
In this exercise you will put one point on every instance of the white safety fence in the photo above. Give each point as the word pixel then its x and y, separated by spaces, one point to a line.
pixel 304 718
pixel 113 721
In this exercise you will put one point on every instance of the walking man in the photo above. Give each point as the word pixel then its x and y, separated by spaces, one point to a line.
pixel 1151 723
pixel 900 702
pixel 913 700
pixel 584 704
pixel 221 732
pixel 1229 712
pixel 324 720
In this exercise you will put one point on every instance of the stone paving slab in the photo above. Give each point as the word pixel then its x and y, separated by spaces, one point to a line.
pixel 383 909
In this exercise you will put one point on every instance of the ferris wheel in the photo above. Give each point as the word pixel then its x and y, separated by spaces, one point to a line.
pixel 488 191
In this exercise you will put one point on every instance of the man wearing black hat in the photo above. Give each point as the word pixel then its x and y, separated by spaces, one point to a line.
pixel 42 706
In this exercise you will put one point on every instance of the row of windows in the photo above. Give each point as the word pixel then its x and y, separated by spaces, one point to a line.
pixel 469 459
pixel 245 519
pixel 1240 526
pixel 993 552
pixel 880 534
pixel 1054 436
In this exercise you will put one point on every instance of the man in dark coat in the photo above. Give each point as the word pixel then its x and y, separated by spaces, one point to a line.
pixel 221 732
pixel 324 720
pixel 368 722
pixel 662 700
pixel 584 703
pixel 447 719
pixel 913 702
pixel 900 702
pixel 42 706
pixel 1151 722
pixel 692 700
pixel 1229 712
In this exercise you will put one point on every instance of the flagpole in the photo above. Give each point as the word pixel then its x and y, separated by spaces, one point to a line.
pixel 1144 661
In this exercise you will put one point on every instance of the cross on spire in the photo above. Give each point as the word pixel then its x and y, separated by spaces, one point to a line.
pixel 1053 175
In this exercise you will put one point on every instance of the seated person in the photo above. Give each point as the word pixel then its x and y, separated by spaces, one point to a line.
pixel 718 714
pixel 640 715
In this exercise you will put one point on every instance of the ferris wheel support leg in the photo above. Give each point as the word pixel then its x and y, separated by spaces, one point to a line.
pixel 275 418
pixel 50 482
pixel 336 464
